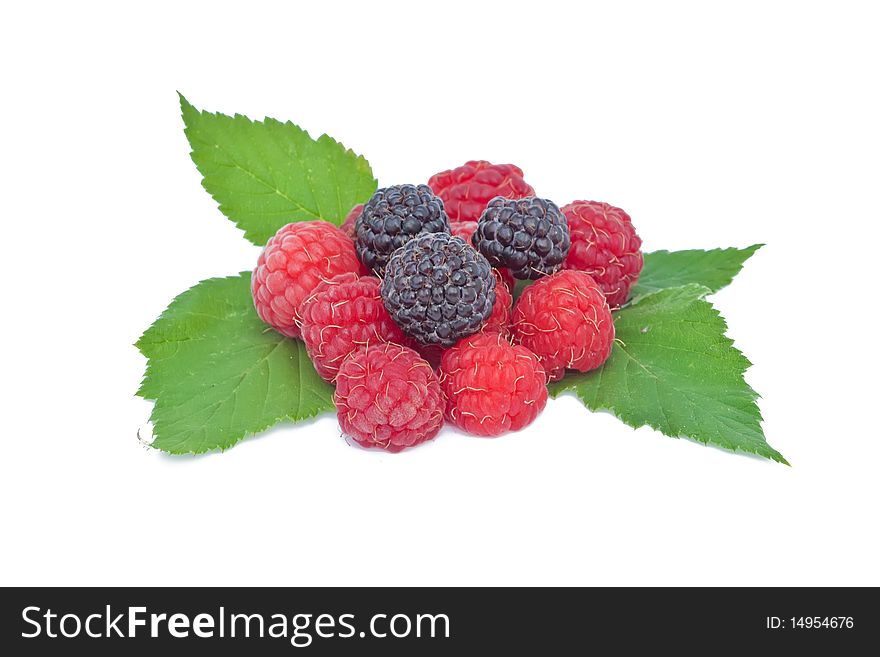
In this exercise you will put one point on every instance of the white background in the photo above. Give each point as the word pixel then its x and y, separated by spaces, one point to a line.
pixel 710 126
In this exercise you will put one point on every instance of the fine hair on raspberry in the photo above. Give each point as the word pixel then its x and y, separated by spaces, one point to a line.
pixel 295 260
pixel 348 225
pixel 565 320
pixel 341 316
pixel 499 320
pixel 604 244
pixel 388 397
pixel 463 229
pixel 492 386
pixel 467 189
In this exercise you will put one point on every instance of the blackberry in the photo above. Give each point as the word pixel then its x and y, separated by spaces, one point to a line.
pixel 392 217
pixel 528 235
pixel 438 289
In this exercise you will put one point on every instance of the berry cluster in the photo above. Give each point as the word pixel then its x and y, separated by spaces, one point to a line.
pixel 412 316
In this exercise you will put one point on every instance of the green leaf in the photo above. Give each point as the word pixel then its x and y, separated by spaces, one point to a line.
pixel 714 269
pixel 265 174
pixel 520 287
pixel 218 374
pixel 672 368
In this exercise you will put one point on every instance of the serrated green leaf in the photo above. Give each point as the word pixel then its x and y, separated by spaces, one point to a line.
pixel 265 174
pixel 663 269
pixel 520 287
pixel 218 374
pixel 714 268
pixel 672 368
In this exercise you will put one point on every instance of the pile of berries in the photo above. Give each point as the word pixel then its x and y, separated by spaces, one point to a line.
pixel 408 308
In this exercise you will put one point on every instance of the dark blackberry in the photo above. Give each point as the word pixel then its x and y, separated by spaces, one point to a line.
pixel 438 289
pixel 392 217
pixel 528 235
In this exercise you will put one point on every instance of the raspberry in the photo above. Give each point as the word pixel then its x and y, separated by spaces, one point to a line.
pixel 392 217
pixel 499 320
pixel 605 245
pixel 467 189
pixel 565 320
pixel 430 352
pixel 438 289
pixel 492 386
pixel 348 226
pixel 507 277
pixel 341 316
pixel 387 396
pixel 529 235
pixel 465 230
pixel 295 260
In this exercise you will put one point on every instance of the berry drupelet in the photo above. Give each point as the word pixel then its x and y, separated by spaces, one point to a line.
pixel 529 236
pixel 438 289
pixel 391 218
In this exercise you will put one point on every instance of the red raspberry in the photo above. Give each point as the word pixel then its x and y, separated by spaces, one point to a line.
pixel 491 386
pixel 507 277
pixel 499 320
pixel 347 226
pixel 341 316
pixel 387 396
pixel 605 245
pixel 465 230
pixel 430 352
pixel 467 189
pixel 295 260
pixel 566 321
